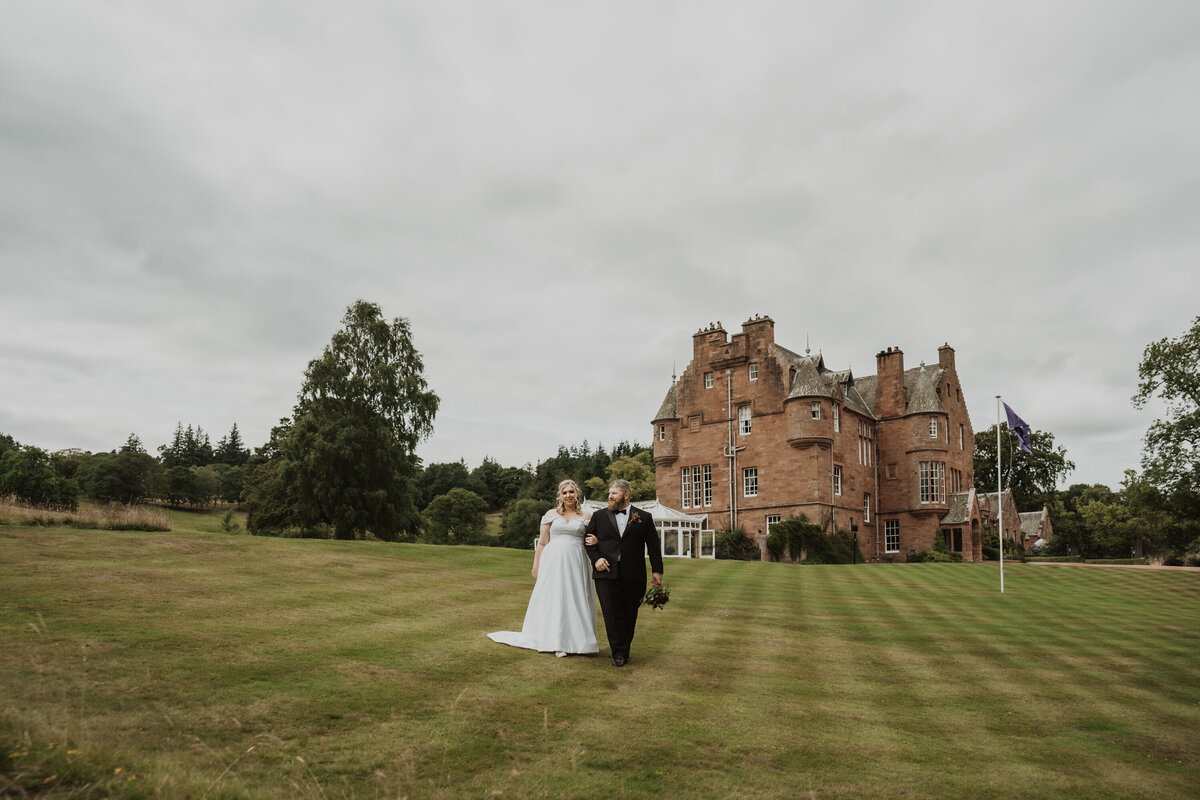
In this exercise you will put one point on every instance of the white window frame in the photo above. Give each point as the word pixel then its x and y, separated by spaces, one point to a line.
pixel 697 487
pixel 662 432
pixel 837 480
pixel 708 380
pixel 708 487
pixel 816 409
pixel 744 420
pixel 891 536
pixel 866 508
pixel 962 431
pixel 753 370
pixel 771 520
pixel 837 419
pixel 750 482
pixel 685 484
pixel 933 427
pixel 933 481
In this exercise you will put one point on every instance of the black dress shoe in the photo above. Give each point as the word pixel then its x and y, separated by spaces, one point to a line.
pixel 618 661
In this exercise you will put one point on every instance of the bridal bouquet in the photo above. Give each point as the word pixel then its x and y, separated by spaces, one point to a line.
pixel 657 595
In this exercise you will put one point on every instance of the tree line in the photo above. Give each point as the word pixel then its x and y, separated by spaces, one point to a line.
pixel 344 463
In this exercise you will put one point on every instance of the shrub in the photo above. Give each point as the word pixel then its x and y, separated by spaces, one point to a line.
pixel 803 541
pixel 735 545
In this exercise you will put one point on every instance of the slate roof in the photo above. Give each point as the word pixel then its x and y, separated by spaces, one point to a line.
pixel 958 508
pixel 670 406
pixel 1031 523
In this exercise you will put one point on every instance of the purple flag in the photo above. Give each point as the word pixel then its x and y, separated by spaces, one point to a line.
pixel 1020 428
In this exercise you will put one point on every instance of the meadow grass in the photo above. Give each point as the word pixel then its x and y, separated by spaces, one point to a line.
pixel 201 664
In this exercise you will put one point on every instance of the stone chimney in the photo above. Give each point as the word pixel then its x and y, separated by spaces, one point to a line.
pixel 890 400
pixel 703 342
pixel 946 358
pixel 760 331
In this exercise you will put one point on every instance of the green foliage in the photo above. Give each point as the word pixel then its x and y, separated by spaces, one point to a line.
pixel 229 524
pixel 498 485
pixel 189 448
pixel 638 469
pixel 1032 477
pixel 129 476
pixel 26 473
pixel 457 517
pixel 231 450
pixel 799 540
pixel 1170 371
pixel 439 478
pixel 581 464
pixel 348 452
pixel 521 523
pixel 733 544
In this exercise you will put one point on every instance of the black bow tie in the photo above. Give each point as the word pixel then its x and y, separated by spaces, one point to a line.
pixel 622 511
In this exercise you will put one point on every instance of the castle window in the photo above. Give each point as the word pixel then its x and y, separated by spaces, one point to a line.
pixel 696 486
pixel 771 520
pixel 866 453
pixel 933 481
pixel 837 419
pixel 744 419
pixel 816 409
pixel 750 482
pixel 753 372
pixel 708 380
pixel 866 508
pixel 708 484
pixel 837 480
pixel 933 427
pixel 961 436
pixel 891 536
pixel 685 483
pixel 662 432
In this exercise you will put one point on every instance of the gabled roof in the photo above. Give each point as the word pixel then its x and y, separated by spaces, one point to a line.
pixel 1031 522
pixel 960 507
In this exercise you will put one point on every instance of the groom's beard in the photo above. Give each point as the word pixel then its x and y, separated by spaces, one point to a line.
pixel 615 506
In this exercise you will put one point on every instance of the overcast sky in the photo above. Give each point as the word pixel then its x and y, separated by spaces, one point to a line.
pixel 558 195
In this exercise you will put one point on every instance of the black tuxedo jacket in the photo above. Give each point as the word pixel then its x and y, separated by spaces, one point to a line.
pixel 640 535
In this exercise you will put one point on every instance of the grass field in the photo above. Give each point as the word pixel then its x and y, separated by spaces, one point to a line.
pixel 206 665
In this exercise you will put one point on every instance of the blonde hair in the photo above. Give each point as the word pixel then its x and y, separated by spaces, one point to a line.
pixel 558 501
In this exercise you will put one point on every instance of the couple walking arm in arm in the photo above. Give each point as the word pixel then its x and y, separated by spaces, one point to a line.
pixel 561 617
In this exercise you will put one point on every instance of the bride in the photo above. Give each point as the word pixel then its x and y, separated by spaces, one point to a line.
pixel 562 609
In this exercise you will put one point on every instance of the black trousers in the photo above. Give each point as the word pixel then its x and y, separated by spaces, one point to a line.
pixel 619 603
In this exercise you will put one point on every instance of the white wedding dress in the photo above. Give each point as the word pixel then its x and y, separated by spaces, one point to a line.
pixel 562 609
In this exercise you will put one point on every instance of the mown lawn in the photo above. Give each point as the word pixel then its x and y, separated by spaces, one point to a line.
pixel 207 665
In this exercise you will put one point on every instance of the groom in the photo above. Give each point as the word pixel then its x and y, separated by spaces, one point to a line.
pixel 623 534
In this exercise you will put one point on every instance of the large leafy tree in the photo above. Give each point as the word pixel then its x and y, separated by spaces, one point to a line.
pixel 1032 477
pixel 521 523
pixel 456 517
pixel 27 474
pixel 1170 371
pixel 348 453
pixel 129 475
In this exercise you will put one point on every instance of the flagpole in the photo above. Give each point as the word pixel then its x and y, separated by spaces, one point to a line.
pixel 1000 494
